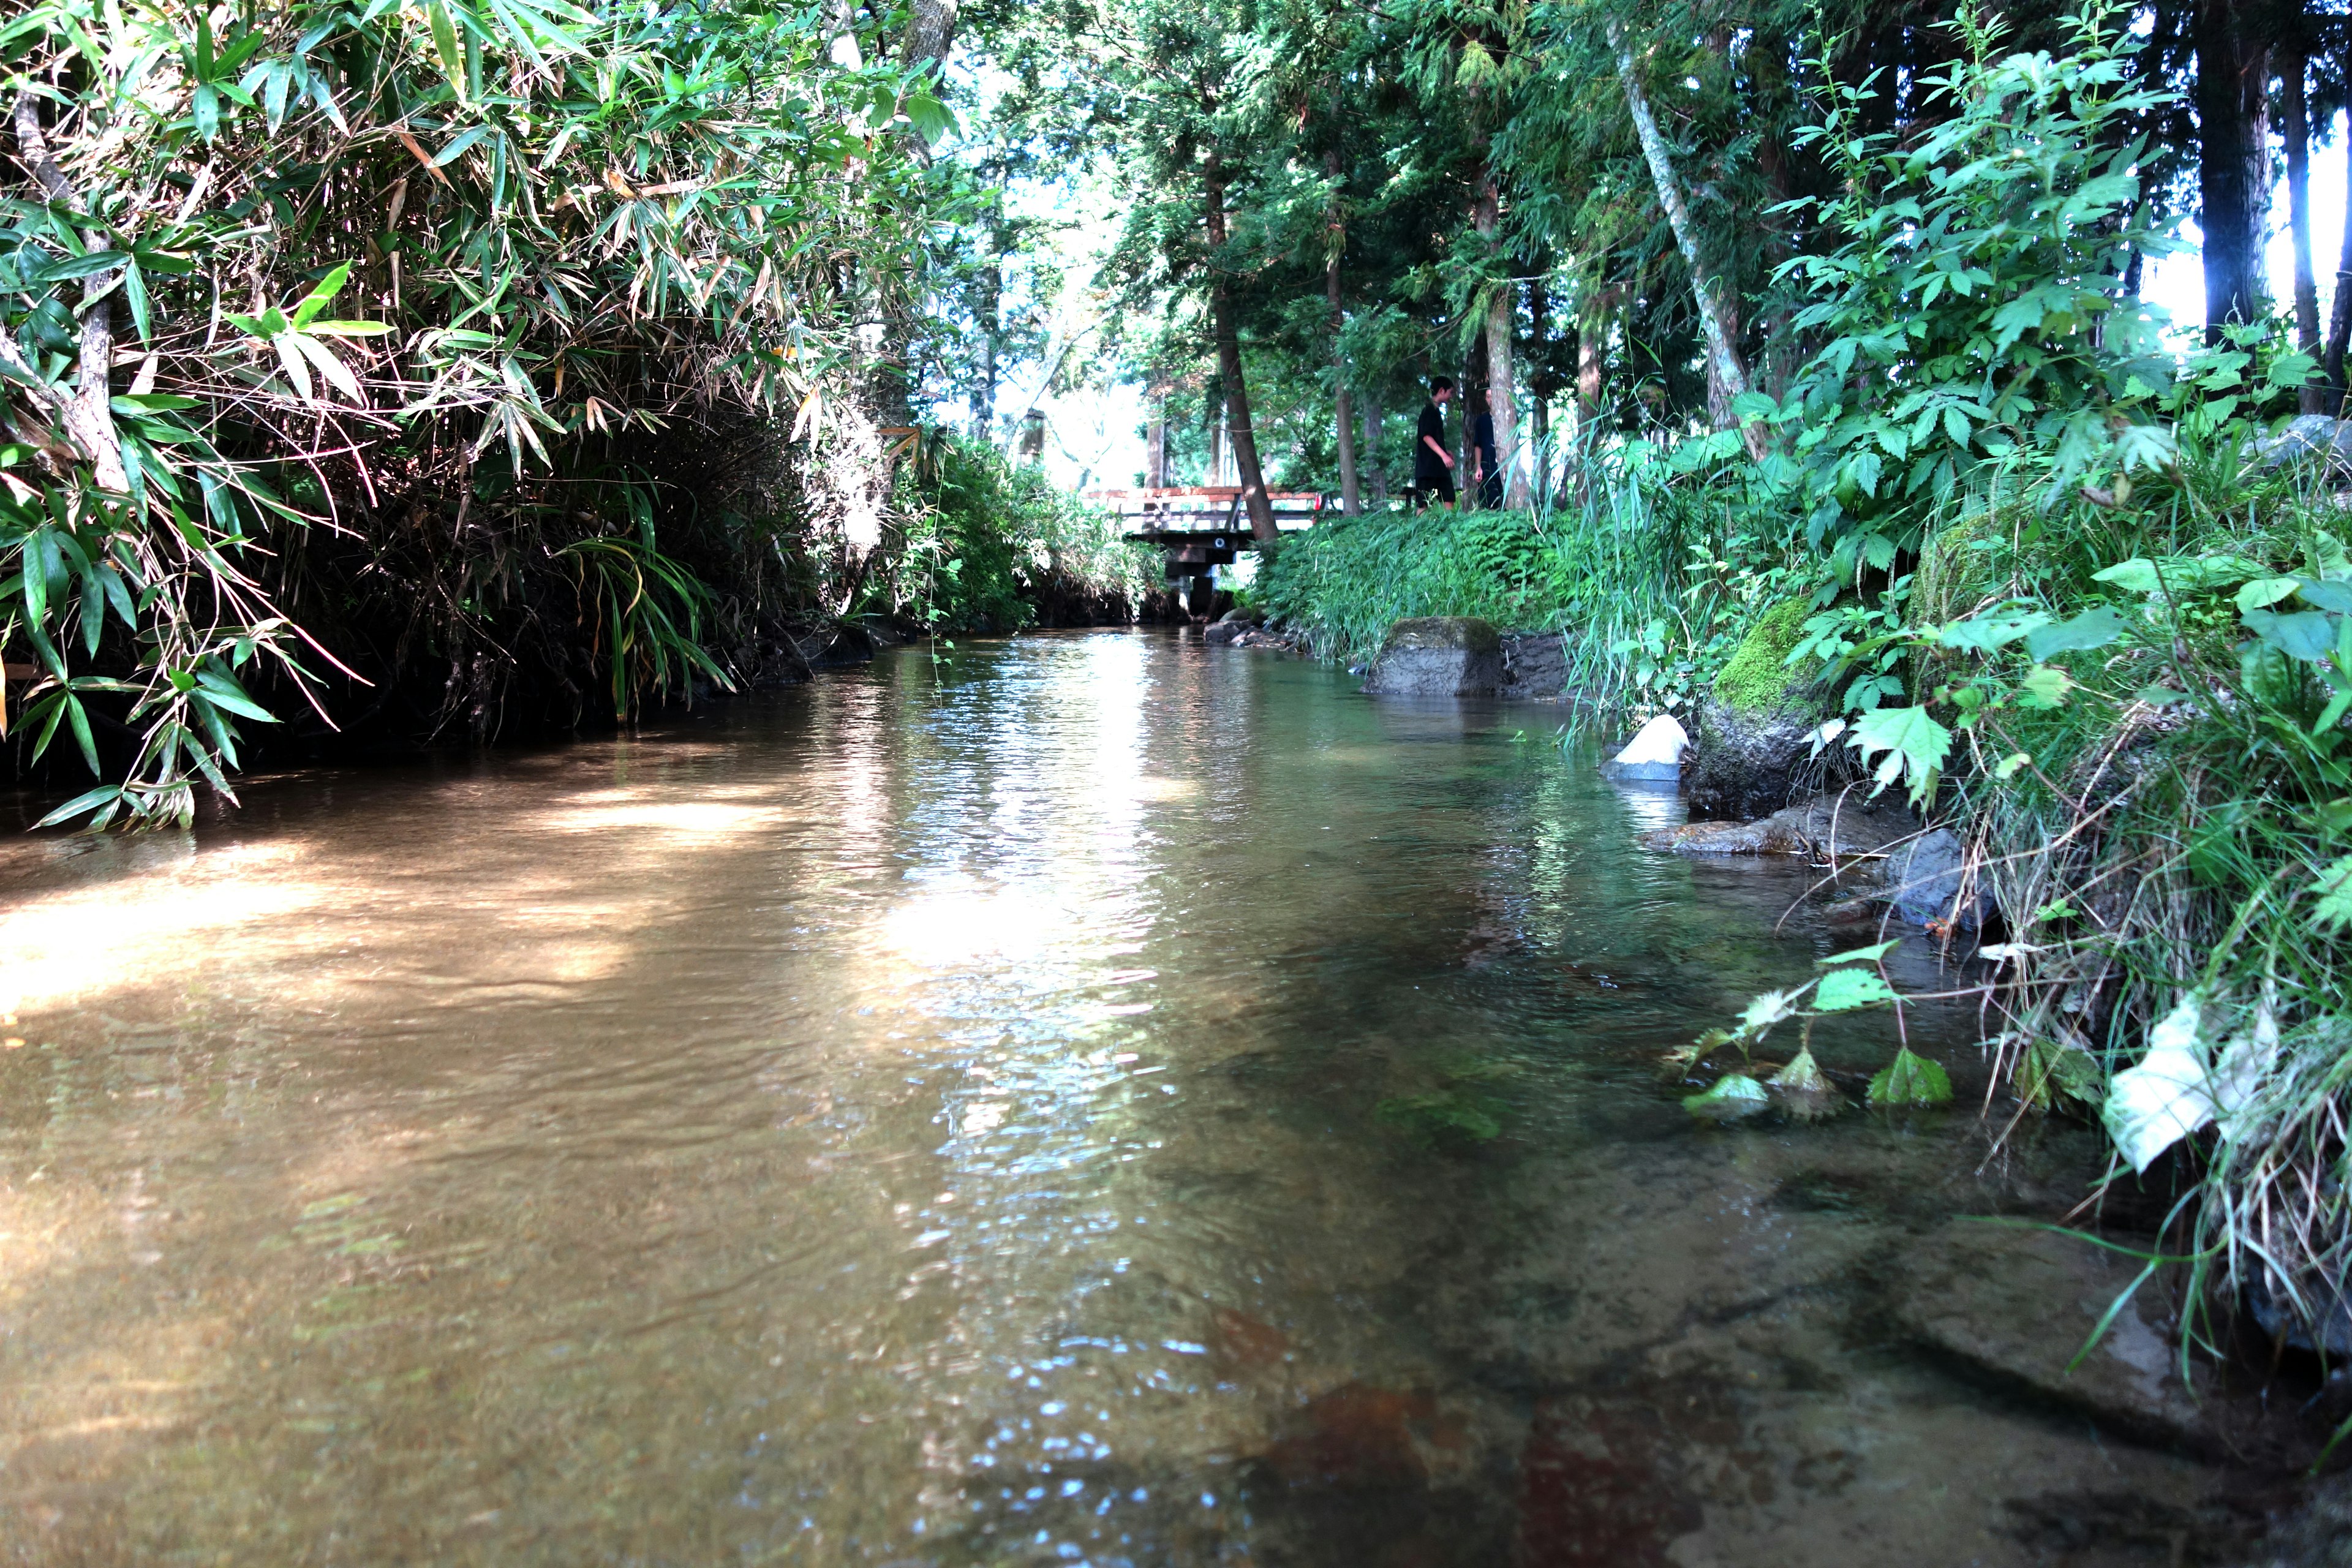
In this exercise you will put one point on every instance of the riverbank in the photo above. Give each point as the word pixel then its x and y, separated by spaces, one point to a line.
pixel 2081 758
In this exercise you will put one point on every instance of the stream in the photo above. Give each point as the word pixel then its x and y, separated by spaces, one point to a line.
pixel 1088 1098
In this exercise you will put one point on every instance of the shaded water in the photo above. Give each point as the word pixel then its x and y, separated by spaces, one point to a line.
pixel 1101 1099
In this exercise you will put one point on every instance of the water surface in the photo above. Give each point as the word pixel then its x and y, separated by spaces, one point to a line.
pixel 1097 1099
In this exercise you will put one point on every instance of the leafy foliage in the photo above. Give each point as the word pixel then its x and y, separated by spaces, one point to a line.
pixel 552 232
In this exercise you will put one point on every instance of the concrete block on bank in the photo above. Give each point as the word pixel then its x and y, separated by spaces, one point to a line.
pixel 1442 655
pixel 1535 665
pixel 1655 756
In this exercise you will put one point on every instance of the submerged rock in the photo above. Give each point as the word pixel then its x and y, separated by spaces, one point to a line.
pixel 1535 665
pixel 1838 826
pixel 1654 754
pixel 2016 1306
pixel 1443 655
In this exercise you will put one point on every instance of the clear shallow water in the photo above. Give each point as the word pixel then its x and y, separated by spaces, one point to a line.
pixel 1019 1109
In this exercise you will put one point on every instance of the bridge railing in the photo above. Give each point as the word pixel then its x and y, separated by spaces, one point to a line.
pixel 1177 513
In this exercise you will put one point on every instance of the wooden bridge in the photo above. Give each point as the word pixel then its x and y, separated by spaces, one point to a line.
pixel 1199 527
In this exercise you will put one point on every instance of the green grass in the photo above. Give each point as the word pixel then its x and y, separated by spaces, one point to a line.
pixel 1648 580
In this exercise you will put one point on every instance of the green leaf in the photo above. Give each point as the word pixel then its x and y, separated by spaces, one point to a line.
pixel 2264 592
pixel 84 265
pixel 444 46
pixel 1843 990
pixel 1870 955
pixel 2307 634
pixel 458 143
pixel 81 804
pixel 2045 686
pixel 1914 744
pixel 1994 629
pixel 1734 1095
pixel 2333 912
pixel 1765 1011
pixel 318 298
pixel 1910 1079
pixel 1802 1075
pixel 2091 629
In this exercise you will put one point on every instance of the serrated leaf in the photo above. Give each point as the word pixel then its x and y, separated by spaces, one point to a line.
pixel 1733 1095
pixel 1914 744
pixel 2045 686
pixel 2333 912
pixel 1802 1075
pixel 1765 1011
pixel 1910 1079
pixel 1843 990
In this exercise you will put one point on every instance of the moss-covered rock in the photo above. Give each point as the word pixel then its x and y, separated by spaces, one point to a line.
pixel 1758 678
pixel 1751 751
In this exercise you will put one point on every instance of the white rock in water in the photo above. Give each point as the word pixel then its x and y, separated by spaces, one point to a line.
pixel 1656 753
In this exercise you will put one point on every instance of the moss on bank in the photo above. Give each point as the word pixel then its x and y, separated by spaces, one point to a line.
pixel 1758 678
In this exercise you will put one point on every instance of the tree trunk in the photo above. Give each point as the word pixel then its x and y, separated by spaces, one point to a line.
pixel 1502 318
pixel 992 305
pixel 1351 496
pixel 1466 454
pixel 88 414
pixel 1229 368
pixel 930 33
pixel 2339 315
pixel 1540 335
pixel 1155 456
pixel 2233 161
pixel 1716 321
pixel 2311 397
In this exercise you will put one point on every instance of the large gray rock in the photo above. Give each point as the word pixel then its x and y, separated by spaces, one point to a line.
pixel 1923 880
pixel 1443 655
pixel 1535 665
pixel 1746 764
pixel 2308 437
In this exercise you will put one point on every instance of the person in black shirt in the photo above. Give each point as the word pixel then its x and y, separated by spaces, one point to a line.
pixel 1486 474
pixel 1432 464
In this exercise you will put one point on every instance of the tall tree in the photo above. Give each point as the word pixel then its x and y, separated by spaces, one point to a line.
pixel 2234 64
pixel 2295 70
pixel 1718 317
pixel 1226 325
pixel 1351 499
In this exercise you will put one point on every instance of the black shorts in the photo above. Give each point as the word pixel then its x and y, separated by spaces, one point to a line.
pixel 1438 485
